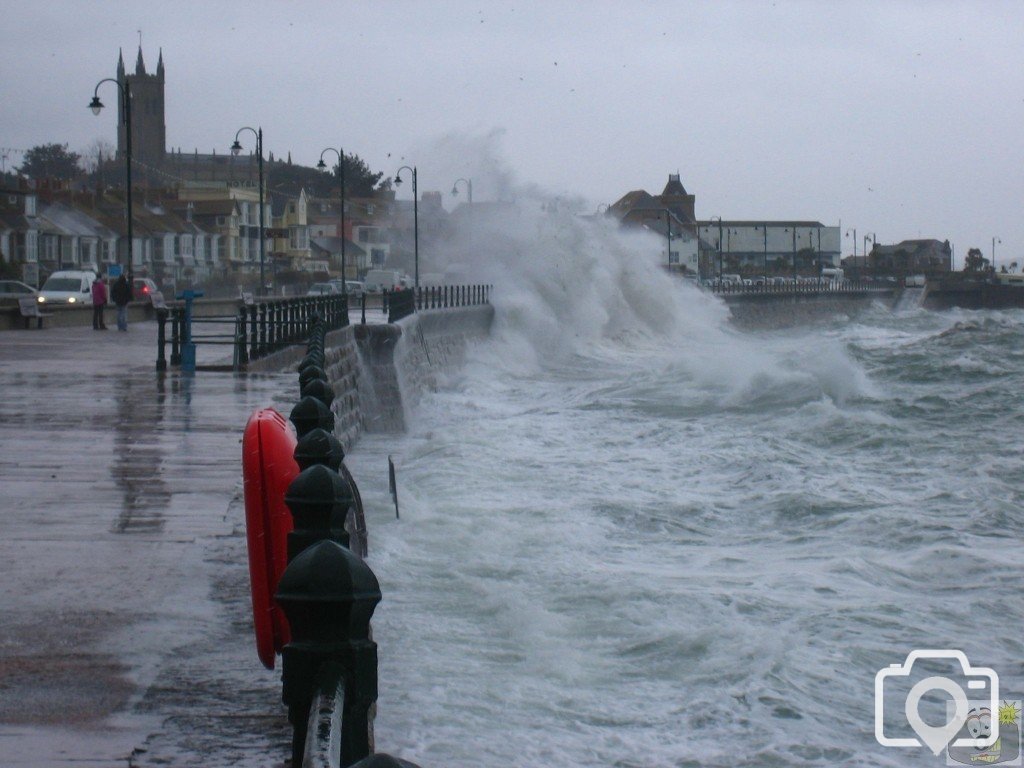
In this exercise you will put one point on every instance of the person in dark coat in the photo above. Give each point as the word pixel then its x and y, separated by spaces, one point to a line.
pixel 99 301
pixel 121 293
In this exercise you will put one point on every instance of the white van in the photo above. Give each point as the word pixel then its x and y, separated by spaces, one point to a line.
pixel 68 286
pixel 378 280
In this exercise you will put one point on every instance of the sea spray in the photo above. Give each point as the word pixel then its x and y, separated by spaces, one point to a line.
pixel 632 535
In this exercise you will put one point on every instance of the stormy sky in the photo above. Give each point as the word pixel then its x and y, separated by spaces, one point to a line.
pixel 899 118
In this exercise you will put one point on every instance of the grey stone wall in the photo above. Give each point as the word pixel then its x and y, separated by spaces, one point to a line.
pixel 407 359
pixel 780 310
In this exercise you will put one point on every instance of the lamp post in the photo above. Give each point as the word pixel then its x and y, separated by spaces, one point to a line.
pixel 126 99
pixel 764 227
pixel 668 233
pixel 870 236
pixel 341 204
pixel 235 149
pixel 415 219
pixel 719 219
pixel 469 189
pixel 994 241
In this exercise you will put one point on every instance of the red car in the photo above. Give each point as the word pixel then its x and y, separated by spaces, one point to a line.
pixel 143 288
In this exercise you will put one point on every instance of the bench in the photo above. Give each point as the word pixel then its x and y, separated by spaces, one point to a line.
pixel 29 308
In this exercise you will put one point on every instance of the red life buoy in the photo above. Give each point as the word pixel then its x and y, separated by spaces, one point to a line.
pixel 268 468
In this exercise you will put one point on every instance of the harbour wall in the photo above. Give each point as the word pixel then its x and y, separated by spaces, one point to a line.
pixel 775 310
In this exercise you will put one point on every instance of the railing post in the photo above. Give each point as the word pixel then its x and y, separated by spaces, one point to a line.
pixel 175 338
pixel 328 595
pixel 243 355
pixel 161 339
pixel 264 348
pixel 363 309
pixel 253 334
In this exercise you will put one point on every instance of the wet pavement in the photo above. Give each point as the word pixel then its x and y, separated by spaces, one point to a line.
pixel 126 636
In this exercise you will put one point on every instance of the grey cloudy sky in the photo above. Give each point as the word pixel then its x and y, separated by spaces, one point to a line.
pixel 902 118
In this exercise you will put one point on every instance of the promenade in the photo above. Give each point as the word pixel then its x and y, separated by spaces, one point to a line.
pixel 126 636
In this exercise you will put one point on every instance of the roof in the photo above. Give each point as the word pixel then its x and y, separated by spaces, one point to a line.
pixel 73 221
pixel 333 245
pixel 758 223
pixel 674 187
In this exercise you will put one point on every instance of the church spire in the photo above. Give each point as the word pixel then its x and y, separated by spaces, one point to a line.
pixel 160 64
pixel 140 66
pixel 120 65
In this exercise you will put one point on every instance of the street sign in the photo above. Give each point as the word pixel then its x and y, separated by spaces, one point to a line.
pixel 113 271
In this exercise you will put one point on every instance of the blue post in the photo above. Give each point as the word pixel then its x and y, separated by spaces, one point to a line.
pixel 188 347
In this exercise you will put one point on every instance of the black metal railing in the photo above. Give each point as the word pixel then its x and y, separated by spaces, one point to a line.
pixel 399 304
pixel 806 286
pixel 256 330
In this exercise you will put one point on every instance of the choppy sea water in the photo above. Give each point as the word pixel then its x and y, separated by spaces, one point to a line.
pixel 686 545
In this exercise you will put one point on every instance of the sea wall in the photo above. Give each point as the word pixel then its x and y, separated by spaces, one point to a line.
pixel 758 311
pixel 404 360
pixel 380 371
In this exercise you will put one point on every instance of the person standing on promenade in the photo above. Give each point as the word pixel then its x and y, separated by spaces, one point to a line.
pixel 121 293
pixel 99 301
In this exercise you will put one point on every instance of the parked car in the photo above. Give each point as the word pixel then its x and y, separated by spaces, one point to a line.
pixel 355 289
pixel 68 286
pixel 378 280
pixel 322 289
pixel 143 289
pixel 15 289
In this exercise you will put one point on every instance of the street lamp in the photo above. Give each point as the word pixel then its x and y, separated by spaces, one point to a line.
pixel 235 149
pixel 126 99
pixel 764 227
pixel 668 233
pixel 341 198
pixel 469 189
pixel 415 218
pixel 994 241
pixel 870 236
pixel 719 219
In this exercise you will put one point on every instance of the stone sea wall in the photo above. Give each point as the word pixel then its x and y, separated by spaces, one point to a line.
pixel 381 371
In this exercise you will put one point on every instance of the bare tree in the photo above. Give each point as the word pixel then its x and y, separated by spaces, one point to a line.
pixel 98 151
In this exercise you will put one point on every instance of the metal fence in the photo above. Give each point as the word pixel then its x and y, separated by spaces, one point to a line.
pixel 403 303
pixel 811 286
pixel 256 330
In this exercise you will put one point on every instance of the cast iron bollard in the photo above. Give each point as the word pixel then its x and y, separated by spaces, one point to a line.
pixel 382 760
pixel 311 372
pixel 319 389
pixel 328 595
pixel 309 414
pixel 318 446
pixel 315 498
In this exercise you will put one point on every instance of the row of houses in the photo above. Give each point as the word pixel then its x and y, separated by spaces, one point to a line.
pixel 196 233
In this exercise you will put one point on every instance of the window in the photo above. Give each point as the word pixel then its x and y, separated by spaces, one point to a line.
pixel 298 239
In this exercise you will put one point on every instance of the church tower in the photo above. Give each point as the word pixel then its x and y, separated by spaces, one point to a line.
pixel 149 133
